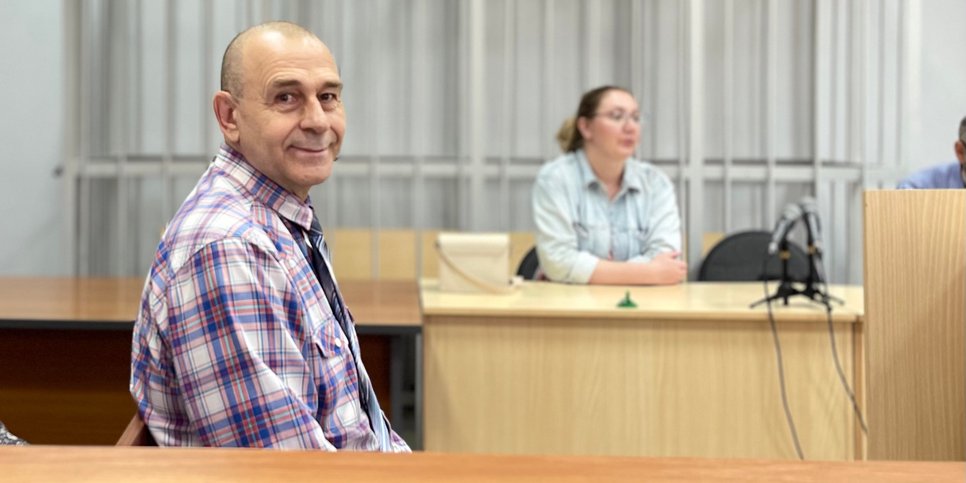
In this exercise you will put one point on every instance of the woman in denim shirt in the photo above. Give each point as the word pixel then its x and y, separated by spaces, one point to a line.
pixel 602 216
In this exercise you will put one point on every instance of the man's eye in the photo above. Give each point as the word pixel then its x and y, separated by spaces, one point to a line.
pixel 329 99
pixel 285 98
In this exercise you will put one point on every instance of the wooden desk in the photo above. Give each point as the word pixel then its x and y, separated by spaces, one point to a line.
pixel 558 369
pixel 65 351
pixel 109 303
pixel 104 464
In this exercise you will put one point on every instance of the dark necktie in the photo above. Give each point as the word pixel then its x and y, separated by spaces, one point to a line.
pixel 318 256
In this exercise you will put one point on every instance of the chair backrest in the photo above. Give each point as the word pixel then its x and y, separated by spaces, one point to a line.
pixel 738 258
pixel 136 434
pixel 9 439
pixel 529 265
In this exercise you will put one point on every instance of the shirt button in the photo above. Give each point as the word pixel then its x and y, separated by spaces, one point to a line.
pixel 338 343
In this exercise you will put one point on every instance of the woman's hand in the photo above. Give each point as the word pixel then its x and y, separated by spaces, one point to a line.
pixel 666 268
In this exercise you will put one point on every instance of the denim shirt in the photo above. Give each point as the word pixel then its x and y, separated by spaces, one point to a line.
pixel 577 224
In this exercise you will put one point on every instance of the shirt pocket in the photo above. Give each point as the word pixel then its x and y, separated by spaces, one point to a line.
pixel 639 240
pixel 593 238
pixel 326 334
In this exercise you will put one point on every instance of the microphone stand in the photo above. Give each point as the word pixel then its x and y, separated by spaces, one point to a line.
pixel 812 289
pixel 785 288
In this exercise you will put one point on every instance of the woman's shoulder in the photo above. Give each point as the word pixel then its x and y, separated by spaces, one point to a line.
pixel 646 172
pixel 562 166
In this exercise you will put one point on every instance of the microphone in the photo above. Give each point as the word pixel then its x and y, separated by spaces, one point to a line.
pixel 812 225
pixel 790 216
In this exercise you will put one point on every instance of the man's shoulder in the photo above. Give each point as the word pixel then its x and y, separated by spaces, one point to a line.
pixel 942 176
pixel 215 212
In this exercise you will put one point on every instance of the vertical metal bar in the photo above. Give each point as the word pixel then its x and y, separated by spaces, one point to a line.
pixel 728 110
pixel 240 20
pixel 73 88
pixel 136 112
pixel 86 90
pixel 420 67
pixel 120 74
pixel 591 41
pixel 680 135
pixel 265 11
pixel 695 131
pixel 818 61
pixel 853 241
pixel 331 191
pixel 509 120
pixel 880 128
pixel 851 89
pixel 372 131
pixel 170 70
pixel 546 77
pixel 909 62
pixel 833 81
pixel 770 34
pixel 635 56
pixel 137 91
pixel 207 16
pixel 419 403
pixel 900 84
pixel 655 51
pixel 477 116
pixel 638 83
pixel 464 118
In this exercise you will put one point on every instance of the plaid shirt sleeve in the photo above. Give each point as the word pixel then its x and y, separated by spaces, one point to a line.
pixel 239 360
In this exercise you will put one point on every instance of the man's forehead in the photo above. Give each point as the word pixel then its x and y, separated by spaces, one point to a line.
pixel 290 63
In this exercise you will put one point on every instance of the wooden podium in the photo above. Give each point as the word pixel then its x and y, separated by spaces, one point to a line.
pixel 915 308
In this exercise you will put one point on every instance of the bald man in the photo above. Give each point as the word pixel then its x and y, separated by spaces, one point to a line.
pixel 243 338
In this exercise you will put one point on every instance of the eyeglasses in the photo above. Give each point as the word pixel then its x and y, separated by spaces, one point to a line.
pixel 621 117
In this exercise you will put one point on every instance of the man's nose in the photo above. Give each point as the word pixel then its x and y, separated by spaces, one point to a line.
pixel 314 117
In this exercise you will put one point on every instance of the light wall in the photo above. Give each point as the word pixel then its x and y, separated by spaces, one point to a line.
pixel 544 91
pixel 942 101
pixel 31 137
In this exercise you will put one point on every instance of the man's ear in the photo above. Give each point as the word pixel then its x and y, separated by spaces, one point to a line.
pixel 226 113
pixel 960 151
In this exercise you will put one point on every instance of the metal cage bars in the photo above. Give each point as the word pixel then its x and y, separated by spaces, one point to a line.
pixel 471 167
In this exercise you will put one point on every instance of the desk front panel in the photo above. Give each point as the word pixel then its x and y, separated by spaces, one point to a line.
pixel 65 386
pixel 65 351
pixel 605 386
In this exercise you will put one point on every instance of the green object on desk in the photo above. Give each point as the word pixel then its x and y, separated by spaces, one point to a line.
pixel 626 302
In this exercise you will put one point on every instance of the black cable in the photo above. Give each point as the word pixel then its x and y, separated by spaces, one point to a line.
pixel 835 352
pixel 781 366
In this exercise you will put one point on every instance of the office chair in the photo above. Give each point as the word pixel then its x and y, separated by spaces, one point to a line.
pixel 529 265
pixel 136 434
pixel 9 439
pixel 738 258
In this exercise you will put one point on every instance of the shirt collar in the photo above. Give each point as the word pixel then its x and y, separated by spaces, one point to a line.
pixel 262 188
pixel 629 182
